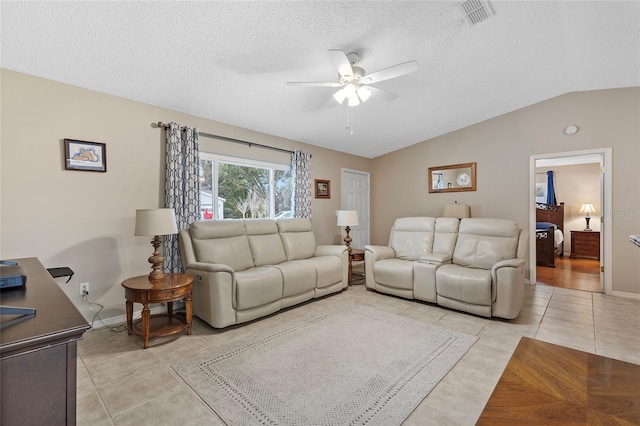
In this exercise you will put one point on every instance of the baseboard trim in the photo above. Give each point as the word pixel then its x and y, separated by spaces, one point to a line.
pixel 626 295
pixel 122 319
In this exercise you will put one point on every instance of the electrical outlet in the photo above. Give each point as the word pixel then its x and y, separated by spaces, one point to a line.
pixel 84 289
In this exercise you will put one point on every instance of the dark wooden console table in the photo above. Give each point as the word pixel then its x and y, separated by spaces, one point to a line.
pixel 38 352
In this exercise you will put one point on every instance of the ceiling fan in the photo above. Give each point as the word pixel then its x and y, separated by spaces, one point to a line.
pixel 354 84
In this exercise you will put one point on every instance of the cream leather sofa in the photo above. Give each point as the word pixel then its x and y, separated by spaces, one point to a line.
pixel 474 265
pixel 246 269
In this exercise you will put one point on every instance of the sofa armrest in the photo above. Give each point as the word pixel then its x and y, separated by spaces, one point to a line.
pixel 507 263
pixel 435 258
pixel 330 250
pixel 375 253
pixel 209 267
pixel 213 293
pixel 507 278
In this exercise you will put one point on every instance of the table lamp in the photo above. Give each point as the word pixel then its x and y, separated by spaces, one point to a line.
pixel 347 218
pixel 156 222
pixel 587 208
pixel 456 210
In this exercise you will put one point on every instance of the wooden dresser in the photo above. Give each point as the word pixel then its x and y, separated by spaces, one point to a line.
pixel 38 352
pixel 585 245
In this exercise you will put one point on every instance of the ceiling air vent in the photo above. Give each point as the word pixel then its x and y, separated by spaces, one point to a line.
pixel 475 11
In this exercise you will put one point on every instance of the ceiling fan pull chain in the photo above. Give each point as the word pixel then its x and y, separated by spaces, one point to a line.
pixel 349 119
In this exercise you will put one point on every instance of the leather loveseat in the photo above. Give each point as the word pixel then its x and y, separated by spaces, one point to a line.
pixel 474 265
pixel 249 268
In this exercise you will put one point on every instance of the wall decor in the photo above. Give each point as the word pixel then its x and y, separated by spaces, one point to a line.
pixel 323 188
pixel 83 155
pixel 453 178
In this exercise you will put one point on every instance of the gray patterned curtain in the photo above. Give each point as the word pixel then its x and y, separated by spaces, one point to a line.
pixel 301 170
pixel 182 185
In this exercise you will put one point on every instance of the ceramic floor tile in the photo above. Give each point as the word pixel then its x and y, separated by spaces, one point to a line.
pixel 117 378
pixel 571 300
pixel 567 328
pixel 464 323
pixel 90 410
pixel 578 317
pixel 144 385
pixel 176 407
pixel 572 293
pixel 568 306
pixel 566 339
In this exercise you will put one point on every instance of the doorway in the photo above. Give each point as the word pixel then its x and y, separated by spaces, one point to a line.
pixel 355 196
pixel 583 252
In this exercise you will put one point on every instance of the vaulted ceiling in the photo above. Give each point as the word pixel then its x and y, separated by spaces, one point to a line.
pixel 229 61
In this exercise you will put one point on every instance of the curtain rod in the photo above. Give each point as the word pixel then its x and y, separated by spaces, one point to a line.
pixel 226 139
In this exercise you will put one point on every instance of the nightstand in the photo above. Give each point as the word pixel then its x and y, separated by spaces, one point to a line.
pixel 585 245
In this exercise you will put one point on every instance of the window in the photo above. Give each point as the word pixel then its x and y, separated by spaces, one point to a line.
pixel 243 188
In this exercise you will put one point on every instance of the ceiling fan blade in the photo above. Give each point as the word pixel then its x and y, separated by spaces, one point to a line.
pixel 301 83
pixel 391 72
pixel 381 94
pixel 341 62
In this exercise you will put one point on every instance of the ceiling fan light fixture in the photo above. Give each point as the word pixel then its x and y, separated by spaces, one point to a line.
pixel 340 96
pixel 349 90
pixel 354 100
pixel 364 93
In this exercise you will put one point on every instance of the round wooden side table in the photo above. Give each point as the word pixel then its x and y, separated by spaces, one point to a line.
pixel 356 255
pixel 169 289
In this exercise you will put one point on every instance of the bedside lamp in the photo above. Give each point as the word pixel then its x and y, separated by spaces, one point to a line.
pixel 587 208
pixel 347 218
pixel 156 222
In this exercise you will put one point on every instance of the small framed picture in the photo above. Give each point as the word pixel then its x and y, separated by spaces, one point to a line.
pixel 323 188
pixel 87 156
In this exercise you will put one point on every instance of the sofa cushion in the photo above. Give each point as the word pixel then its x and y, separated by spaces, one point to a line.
pixel 257 287
pixel 464 284
pixel 264 241
pixel 221 241
pixel 394 273
pixel 412 237
pixel 297 238
pixel 483 242
pixel 446 235
pixel 298 276
pixel 328 270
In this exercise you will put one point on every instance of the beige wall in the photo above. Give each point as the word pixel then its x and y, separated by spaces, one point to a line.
pixel 85 220
pixel 502 148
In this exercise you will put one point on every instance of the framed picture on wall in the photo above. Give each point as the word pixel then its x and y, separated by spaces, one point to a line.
pixel 323 188
pixel 86 156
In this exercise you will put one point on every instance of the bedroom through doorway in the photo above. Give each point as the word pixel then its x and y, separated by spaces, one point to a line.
pixel 568 202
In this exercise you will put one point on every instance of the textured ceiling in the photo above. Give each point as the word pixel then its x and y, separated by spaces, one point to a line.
pixel 229 61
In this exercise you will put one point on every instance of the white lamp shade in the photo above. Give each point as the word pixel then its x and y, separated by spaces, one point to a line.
pixel 364 93
pixel 155 222
pixel 587 208
pixel 456 210
pixel 347 218
pixel 339 96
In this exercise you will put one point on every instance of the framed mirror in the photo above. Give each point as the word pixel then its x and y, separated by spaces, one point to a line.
pixel 453 178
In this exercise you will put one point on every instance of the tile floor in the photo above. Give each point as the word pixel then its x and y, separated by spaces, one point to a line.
pixel 119 383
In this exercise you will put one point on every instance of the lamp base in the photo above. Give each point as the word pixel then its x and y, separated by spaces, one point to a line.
pixel 587 228
pixel 156 260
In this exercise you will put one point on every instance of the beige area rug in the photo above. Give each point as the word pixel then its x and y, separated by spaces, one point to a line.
pixel 352 365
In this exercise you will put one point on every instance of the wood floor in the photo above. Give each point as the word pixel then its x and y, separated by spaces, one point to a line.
pixel 546 384
pixel 578 274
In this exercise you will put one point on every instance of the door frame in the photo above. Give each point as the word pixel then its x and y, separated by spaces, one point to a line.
pixel 605 225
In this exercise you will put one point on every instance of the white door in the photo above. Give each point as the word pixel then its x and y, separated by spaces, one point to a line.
pixel 355 196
